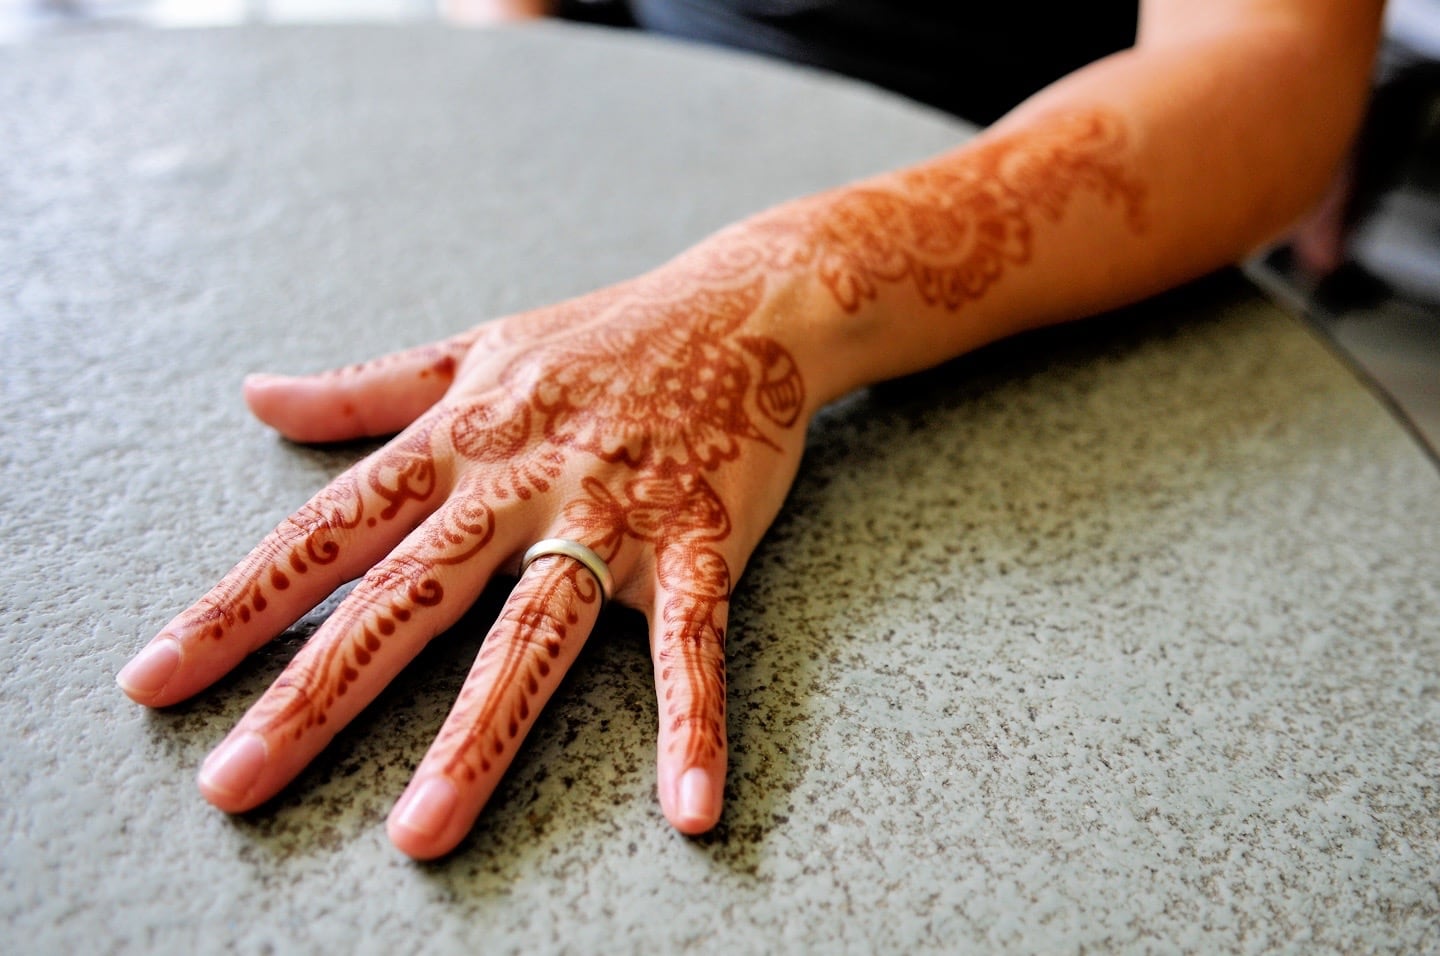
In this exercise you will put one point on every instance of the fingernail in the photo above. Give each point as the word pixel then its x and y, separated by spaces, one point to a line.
pixel 427 810
pixel 697 797
pixel 151 670
pixel 261 379
pixel 231 771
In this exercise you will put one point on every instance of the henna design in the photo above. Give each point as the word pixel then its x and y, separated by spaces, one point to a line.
pixel 461 529
pixel 538 628
pixel 387 597
pixel 306 538
pixel 781 392
pixel 405 473
pixel 438 360
pixel 570 386
pixel 691 415
pixel 694 642
pixel 682 517
pixel 497 433
pixel 312 536
pixel 949 228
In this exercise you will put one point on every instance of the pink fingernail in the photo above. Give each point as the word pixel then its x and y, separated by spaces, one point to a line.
pixel 428 809
pixel 697 798
pixel 231 771
pixel 151 670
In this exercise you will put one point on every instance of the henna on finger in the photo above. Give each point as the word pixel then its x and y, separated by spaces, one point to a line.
pixel 436 361
pixel 334 537
pixel 396 609
pixel 528 650
pixel 637 417
pixel 377 397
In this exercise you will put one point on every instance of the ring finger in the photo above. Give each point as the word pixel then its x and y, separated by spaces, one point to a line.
pixel 534 642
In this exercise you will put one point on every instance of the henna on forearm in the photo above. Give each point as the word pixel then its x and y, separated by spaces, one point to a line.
pixel 948 229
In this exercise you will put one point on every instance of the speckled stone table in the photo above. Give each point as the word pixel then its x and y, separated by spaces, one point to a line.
pixel 1121 638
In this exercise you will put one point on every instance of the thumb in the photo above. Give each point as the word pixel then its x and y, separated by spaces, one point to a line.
pixel 378 397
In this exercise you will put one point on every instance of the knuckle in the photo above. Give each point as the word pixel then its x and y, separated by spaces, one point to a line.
pixel 315 532
pixel 541 618
pixel 399 575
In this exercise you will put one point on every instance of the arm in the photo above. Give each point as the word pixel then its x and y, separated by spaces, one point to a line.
pixel 660 421
pixel 1146 169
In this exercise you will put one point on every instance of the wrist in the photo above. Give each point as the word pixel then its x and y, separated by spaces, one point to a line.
pixel 797 255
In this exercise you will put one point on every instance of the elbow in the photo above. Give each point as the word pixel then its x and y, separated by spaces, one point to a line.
pixel 1312 95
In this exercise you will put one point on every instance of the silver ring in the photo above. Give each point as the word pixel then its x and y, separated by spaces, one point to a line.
pixel 574 549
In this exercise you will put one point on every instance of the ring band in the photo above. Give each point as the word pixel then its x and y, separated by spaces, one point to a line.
pixel 574 549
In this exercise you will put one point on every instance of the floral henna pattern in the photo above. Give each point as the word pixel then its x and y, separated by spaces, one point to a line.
pixel 691 413
pixel 712 390
pixel 949 228
pixel 498 433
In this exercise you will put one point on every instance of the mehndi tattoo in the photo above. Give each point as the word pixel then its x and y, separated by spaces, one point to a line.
pixel 658 377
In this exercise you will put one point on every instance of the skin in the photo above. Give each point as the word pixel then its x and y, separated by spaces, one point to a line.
pixel 661 421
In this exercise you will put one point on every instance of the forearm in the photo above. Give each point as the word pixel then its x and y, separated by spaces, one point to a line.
pixel 1143 171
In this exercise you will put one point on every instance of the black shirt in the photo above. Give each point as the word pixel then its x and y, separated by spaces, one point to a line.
pixel 973 59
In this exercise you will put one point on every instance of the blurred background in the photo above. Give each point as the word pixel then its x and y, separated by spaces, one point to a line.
pixel 1364 269
pixel 23 19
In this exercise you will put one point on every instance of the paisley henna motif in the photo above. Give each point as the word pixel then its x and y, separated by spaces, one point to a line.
pixel 949 229
pixel 405 473
pixel 690 414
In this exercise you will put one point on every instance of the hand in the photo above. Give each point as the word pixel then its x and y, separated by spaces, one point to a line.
pixel 659 422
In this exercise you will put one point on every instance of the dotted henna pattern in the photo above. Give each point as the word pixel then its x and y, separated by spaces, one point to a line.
pixel 386 598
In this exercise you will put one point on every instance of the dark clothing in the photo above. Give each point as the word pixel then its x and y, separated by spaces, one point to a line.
pixel 976 59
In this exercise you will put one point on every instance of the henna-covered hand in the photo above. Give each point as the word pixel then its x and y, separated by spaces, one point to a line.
pixel 660 422
pixel 636 420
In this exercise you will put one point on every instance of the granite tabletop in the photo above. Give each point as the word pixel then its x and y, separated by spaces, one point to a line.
pixel 1120 638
